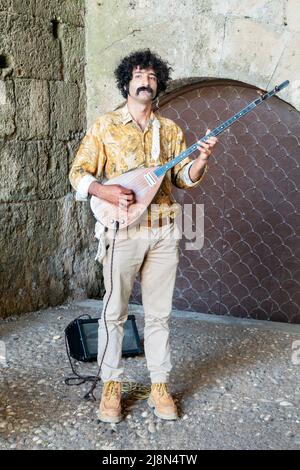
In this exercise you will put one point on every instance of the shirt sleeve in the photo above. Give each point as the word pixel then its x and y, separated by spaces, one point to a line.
pixel 89 162
pixel 180 175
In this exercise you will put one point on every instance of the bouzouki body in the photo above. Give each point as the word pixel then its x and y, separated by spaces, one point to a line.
pixel 143 182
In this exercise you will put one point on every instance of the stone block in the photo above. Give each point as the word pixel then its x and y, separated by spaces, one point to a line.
pixel 293 15
pixel 29 241
pixel 3 29
pixel 110 97
pixel 73 54
pixel 7 108
pixel 18 171
pixel 46 254
pixel 269 11
pixel 288 69
pixel 73 146
pixel 32 117
pixel 23 7
pixel 4 5
pixel 251 60
pixel 30 41
pixel 64 102
pixel 67 11
pixel 205 47
pixel 33 170
pixel 82 109
pixel 53 169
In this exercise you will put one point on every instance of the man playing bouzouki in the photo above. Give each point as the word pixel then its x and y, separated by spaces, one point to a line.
pixel 119 141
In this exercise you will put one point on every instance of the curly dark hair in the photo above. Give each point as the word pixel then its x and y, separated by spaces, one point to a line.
pixel 145 59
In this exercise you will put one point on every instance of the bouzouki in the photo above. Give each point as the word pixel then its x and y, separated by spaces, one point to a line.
pixel 145 182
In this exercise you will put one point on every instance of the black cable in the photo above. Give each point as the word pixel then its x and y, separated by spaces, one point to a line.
pixel 135 390
pixel 93 378
pixel 90 393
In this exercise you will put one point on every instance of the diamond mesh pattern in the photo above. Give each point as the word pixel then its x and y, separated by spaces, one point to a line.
pixel 249 264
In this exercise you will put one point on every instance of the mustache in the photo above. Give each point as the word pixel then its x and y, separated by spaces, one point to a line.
pixel 144 88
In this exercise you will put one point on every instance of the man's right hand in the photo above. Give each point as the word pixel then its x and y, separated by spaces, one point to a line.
pixel 113 193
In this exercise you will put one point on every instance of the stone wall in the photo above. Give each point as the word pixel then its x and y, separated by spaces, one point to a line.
pixel 254 41
pixel 45 237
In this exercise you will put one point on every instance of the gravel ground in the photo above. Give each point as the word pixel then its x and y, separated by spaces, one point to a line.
pixel 235 383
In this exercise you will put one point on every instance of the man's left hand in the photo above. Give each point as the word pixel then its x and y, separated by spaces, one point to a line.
pixel 206 147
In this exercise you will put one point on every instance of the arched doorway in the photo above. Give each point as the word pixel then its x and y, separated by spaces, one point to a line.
pixel 249 264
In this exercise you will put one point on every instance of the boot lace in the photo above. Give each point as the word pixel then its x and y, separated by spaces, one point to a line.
pixel 162 389
pixel 112 389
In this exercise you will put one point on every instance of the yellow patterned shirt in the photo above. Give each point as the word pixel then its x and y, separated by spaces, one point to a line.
pixel 116 144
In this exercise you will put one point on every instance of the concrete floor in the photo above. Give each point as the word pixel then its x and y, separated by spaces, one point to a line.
pixel 236 383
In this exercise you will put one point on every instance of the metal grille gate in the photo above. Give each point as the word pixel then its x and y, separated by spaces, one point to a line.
pixel 249 264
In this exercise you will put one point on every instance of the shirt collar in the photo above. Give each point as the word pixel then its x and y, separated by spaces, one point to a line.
pixel 126 116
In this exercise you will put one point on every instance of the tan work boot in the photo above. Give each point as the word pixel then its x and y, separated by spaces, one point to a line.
pixel 110 405
pixel 162 402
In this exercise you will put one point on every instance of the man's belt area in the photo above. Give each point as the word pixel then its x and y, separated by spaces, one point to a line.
pixel 157 223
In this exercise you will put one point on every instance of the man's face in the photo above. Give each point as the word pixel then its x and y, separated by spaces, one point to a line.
pixel 143 85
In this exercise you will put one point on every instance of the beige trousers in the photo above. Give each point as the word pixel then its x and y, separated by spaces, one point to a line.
pixel 154 253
